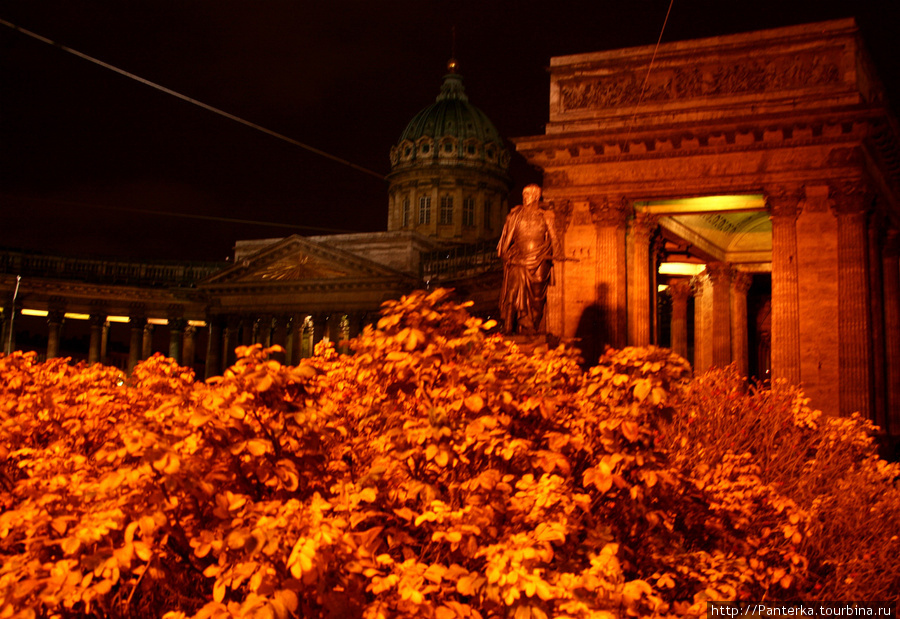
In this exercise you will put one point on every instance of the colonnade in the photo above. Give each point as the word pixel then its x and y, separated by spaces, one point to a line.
pixel 297 333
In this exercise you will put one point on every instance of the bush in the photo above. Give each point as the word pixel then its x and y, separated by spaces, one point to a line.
pixel 437 472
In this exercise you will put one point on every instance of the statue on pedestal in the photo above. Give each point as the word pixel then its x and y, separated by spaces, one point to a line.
pixel 527 248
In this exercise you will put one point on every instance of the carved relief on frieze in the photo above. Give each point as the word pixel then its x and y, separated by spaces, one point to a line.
pixel 738 75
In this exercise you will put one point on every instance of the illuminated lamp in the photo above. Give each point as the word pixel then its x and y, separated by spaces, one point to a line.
pixel 33 312
pixel 689 269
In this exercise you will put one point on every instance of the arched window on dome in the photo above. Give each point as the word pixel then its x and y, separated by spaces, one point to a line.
pixel 448 147
pixel 424 146
pixel 471 148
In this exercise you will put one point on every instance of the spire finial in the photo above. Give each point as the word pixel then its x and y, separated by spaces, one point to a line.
pixel 453 65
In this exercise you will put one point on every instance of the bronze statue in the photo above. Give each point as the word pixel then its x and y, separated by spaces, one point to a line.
pixel 527 247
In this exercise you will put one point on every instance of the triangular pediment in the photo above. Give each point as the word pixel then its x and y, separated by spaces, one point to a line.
pixel 296 260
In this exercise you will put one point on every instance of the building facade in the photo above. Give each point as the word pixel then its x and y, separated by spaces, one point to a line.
pixel 762 164
pixel 447 200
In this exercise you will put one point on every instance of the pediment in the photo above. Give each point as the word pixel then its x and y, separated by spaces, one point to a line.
pixel 296 260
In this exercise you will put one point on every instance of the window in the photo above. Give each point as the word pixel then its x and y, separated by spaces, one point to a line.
pixel 406 212
pixel 487 213
pixel 425 210
pixel 446 210
pixel 468 213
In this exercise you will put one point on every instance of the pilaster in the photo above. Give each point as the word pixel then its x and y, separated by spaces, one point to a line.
pixel 850 206
pixel 610 216
pixel 642 228
pixel 784 207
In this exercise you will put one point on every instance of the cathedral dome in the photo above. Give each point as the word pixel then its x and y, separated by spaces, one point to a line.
pixel 450 131
pixel 448 176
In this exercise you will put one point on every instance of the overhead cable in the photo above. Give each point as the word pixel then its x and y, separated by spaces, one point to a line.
pixel 205 106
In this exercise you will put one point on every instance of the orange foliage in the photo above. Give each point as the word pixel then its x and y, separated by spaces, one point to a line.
pixel 438 472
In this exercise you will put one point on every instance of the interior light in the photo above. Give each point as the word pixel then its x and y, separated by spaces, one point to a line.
pixel 196 323
pixel 118 319
pixel 157 321
pixel 75 316
pixel 662 287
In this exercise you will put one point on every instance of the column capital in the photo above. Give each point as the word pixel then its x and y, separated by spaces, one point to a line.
pixel 719 272
pixel 740 282
pixel 55 316
pixel 97 320
pixel 850 198
pixel 680 290
pixel 137 322
pixel 177 324
pixel 644 224
pixel 610 210
pixel 783 201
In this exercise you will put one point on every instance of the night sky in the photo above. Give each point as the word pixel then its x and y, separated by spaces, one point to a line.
pixel 95 164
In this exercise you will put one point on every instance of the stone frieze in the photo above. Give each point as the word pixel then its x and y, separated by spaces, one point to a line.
pixel 736 76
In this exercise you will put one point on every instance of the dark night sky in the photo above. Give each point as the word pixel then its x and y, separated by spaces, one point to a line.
pixel 83 148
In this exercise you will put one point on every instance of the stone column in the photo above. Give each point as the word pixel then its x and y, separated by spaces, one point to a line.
pixel 147 342
pixel 96 327
pixel 295 334
pixel 214 347
pixel 319 326
pixel 740 344
pixel 610 216
pixel 720 283
pixel 279 337
pixel 248 330
pixel 138 323
pixel 642 228
pixel 54 327
pixel 190 346
pixel 891 277
pixel 263 331
pixel 680 292
pixel 850 206
pixel 702 327
pixel 230 340
pixel 877 225
pixel 104 342
pixel 784 207
pixel 176 336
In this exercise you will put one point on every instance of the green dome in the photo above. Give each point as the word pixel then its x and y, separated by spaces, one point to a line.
pixel 450 130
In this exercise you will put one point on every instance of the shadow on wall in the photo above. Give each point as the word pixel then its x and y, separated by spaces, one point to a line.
pixel 591 326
